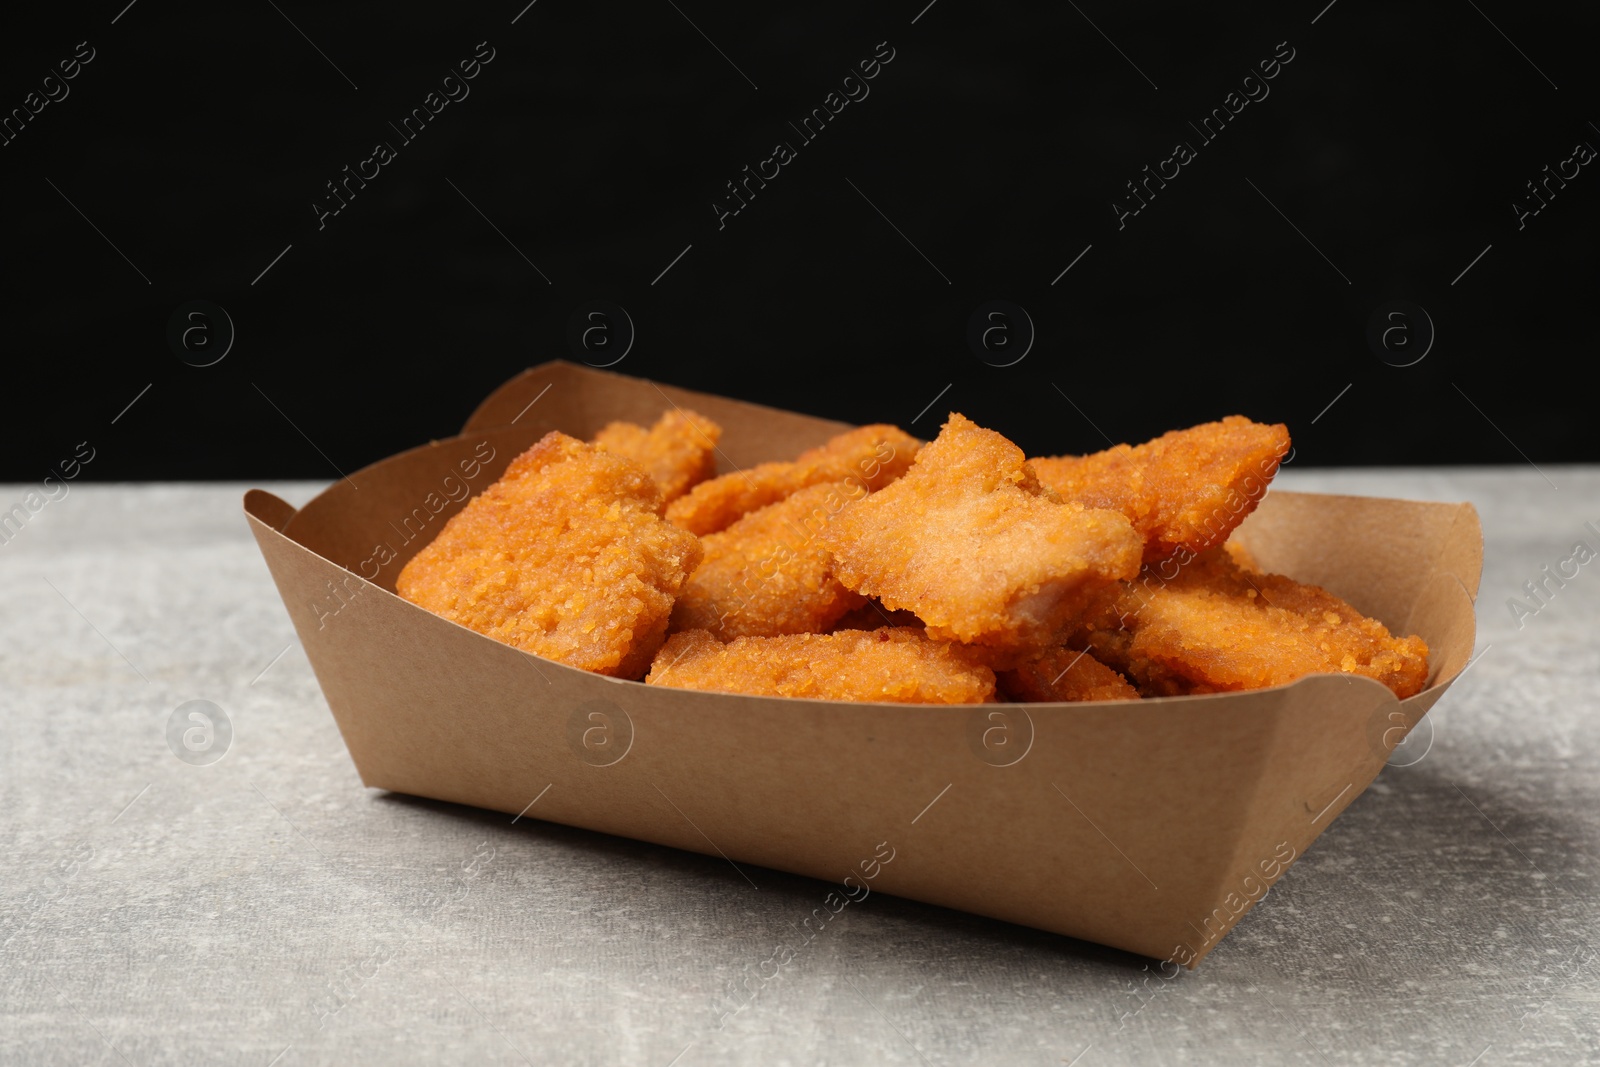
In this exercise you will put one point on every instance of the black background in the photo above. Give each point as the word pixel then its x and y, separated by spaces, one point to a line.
pixel 1391 148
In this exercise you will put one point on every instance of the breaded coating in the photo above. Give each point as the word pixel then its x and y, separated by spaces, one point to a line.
pixel 1065 675
pixel 767 575
pixel 870 456
pixel 1216 627
pixel 1241 556
pixel 1185 489
pixel 865 443
pixel 898 665
pixel 679 451
pixel 566 556
pixel 970 542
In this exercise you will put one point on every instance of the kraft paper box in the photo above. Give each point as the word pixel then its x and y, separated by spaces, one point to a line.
pixel 1152 825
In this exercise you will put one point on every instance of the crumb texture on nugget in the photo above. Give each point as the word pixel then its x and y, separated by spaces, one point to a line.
pixel 1187 489
pixel 679 451
pixel 870 456
pixel 767 575
pixel 1216 627
pixel 893 664
pixel 969 542
pixel 566 556
pixel 1063 674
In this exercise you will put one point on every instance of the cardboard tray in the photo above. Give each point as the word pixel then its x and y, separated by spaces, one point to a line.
pixel 1152 825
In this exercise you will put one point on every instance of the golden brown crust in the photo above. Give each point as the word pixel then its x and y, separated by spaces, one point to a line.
pixel 1216 627
pixel 1241 556
pixel 767 574
pixel 870 456
pixel 679 451
pixel 897 665
pixel 983 562
pixel 1185 489
pixel 566 556
pixel 1065 675
pixel 969 542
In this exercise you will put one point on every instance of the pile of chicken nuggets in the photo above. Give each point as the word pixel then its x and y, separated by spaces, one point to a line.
pixel 876 567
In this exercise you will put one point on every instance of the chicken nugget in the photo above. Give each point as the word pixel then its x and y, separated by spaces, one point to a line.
pixel 898 665
pixel 1064 674
pixel 679 451
pixel 1185 489
pixel 566 556
pixel 970 542
pixel 857 450
pixel 1216 627
pixel 1241 556
pixel 871 456
pixel 766 574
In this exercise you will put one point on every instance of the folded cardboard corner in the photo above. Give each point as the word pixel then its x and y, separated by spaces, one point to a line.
pixel 1151 826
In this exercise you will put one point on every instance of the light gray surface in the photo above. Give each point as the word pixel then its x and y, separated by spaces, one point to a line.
pixel 160 913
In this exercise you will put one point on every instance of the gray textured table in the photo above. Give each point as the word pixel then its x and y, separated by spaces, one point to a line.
pixel 268 909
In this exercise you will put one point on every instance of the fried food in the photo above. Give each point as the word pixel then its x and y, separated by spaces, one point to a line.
pixel 1216 627
pixel 679 451
pixel 767 575
pixel 1064 674
pixel 871 456
pixel 1241 556
pixel 1187 489
pixel 970 542
pixel 898 665
pixel 566 556
pixel 874 567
